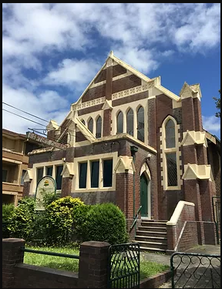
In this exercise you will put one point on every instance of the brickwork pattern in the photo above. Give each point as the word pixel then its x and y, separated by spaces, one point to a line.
pixel 94 92
pixel 125 83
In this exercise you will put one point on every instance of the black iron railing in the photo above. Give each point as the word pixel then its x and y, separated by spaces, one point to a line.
pixel 135 218
pixel 193 270
pixel 124 266
pixel 49 253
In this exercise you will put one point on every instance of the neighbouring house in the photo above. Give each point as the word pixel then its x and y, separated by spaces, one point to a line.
pixel 14 164
pixel 131 141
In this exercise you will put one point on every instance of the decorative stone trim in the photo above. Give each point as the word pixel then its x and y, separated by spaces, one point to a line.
pixel 128 73
pixel 98 84
pixel 132 91
pixel 194 171
pixel 91 103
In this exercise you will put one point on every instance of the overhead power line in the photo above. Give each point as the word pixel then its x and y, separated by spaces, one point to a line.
pixel 25 112
pixel 23 117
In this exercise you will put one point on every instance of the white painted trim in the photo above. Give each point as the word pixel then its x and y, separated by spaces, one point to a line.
pixel 177 212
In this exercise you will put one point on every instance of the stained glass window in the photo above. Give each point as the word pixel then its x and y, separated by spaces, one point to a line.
pixel 130 122
pixel 171 169
pixel 90 125
pixel 140 123
pixel 170 134
pixel 120 122
pixel 98 127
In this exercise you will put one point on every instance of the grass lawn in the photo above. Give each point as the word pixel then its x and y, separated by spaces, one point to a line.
pixel 147 268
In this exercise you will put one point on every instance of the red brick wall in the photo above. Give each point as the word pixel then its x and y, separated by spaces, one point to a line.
pixel 107 122
pixel 189 238
pixel 197 114
pixel 188 115
pixel 66 186
pixel 90 109
pixel 109 75
pixel 95 92
pixel 126 83
pixel 189 154
pixel 101 76
pixel 152 140
pixel 80 136
pixel 118 70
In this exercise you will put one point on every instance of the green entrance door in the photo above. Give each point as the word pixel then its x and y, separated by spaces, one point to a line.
pixel 144 195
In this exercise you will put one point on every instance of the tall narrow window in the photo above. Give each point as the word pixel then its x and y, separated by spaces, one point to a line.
pixel 107 173
pixel 171 150
pixel 120 122
pixel 90 125
pixel 140 123
pixel 171 169
pixel 129 118
pixel 49 171
pixel 98 127
pixel 170 134
pixel 59 177
pixel 22 177
pixel 82 175
pixel 39 175
pixel 94 174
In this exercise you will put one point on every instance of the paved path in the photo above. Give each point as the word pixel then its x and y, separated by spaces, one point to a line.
pixel 193 264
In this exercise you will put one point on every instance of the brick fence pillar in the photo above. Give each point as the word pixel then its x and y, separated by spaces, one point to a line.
pixel 93 265
pixel 11 255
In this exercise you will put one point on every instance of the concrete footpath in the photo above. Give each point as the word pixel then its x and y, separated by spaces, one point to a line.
pixel 165 259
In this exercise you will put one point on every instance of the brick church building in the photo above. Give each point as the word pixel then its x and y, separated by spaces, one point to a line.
pixel 131 141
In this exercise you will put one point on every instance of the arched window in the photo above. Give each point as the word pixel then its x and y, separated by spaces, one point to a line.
pixel 83 121
pixel 120 122
pixel 170 134
pixel 129 118
pixel 140 123
pixel 90 125
pixel 170 149
pixel 98 127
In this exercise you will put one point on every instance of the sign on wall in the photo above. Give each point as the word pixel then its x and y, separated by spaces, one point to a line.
pixel 45 186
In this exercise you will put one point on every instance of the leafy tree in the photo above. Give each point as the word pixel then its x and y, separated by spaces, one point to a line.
pixel 217 102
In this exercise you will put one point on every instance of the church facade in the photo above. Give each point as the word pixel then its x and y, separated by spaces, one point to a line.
pixel 130 141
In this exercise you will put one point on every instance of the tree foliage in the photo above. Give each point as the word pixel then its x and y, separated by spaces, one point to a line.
pixel 217 102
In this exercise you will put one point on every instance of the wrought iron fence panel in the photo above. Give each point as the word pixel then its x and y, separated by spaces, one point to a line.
pixel 124 266
pixel 193 270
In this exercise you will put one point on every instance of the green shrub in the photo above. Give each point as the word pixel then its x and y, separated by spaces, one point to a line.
pixel 105 222
pixel 79 218
pixel 60 221
pixel 22 219
pixel 49 198
pixel 7 212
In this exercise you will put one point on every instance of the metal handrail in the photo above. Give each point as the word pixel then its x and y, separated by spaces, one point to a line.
pixel 135 219
pixel 49 253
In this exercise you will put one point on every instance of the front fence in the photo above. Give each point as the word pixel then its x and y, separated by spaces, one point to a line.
pixel 124 266
pixel 192 270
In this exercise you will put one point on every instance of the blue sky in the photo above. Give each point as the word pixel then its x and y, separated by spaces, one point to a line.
pixel 52 51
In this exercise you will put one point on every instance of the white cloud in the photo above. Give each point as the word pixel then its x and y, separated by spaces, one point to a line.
pixel 211 123
pixel 73 73
pixel 44 105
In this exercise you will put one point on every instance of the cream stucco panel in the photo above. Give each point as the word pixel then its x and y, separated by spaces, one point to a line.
pixel 68 170
pixel 194 171
pixel 125 164
pixel 177 212
pixel 194 137
pixel 28 175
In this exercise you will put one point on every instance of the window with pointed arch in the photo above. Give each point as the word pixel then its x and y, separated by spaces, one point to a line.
pixel 130 122
pixel 98 127
pixel 90 124
pixel 170 147
pixel 140 123
pixel 120 122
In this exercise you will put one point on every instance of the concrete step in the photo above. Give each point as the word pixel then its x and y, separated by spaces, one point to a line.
pixel 148 249
pixel 160 245
pixel 155 229
pixel 150 238
pixel 151 233
pixel 153 224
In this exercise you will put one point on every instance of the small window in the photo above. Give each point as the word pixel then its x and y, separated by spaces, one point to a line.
pixel 22 178
pixel 59 177
pixel 94 174
pixel 4 175
pixel 107 173
pixel 83 121
pixel 140 123
pixel 98 127
pixel 49 171
pixel 130 122
pixel 170 134
pixel 120 122
pixel 39 174
pixel 171 169
pixel 82 175
pixel 90 125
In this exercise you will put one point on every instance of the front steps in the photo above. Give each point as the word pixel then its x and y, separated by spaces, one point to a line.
pixel 152 236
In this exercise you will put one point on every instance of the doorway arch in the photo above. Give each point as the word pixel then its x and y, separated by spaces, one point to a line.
pixel 145 195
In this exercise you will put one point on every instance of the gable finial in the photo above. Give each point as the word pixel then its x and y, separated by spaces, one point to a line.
pixel 111 53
